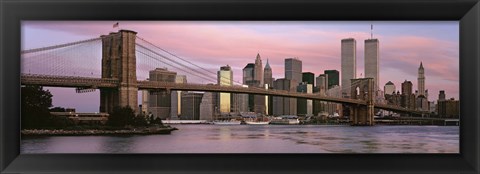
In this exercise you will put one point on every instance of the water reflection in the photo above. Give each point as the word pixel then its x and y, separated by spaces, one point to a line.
pixel 261 139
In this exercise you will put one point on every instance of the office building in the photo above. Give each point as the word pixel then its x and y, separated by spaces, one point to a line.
pixel 421 80
pixel 248 73
pixel 348 64
pixel 293 71
pixel 267 75
pixel 160 101
pixel 240 102
pixel 389 88
pixel 304 106
pixel 207 106
pixel 177 98
pixel 322 83
pixel 333 78
pixel 448 108
pixel 191 105
pixel 441 95
pixel 281 105
pixel 308 77
pixel 372 61
pixel 268 80
pixel 258 70
pixel 224 78
pixel 408 98
pixel 422 103
pixel 432 108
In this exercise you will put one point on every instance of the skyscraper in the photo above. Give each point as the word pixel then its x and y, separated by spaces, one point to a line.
pixel 160 101
pixel 248 73
pixel 349 64
pixel 441 95
pixel 225 78
pixel 333 78
pixel 407 87
pixel 407 97
pixel 191 105
pixel 308 77
pixel 372 61
pixel 176 98
pixel 322 83
pixel 421 80
pixel 207 106
pixel 268 80
pixel 258 70
pixel 389 88
pixel 281 105
pixel 267 73
pixel 304 106
pixel 293 71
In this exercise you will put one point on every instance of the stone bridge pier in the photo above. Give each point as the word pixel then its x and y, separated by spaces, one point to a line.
pixel 119 61
pixel 362 89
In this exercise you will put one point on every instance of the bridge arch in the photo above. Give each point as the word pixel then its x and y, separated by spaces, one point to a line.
pixel 362 89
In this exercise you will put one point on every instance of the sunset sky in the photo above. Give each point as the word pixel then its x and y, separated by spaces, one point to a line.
pixel 211 44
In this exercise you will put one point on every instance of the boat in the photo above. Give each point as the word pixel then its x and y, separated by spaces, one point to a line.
pixel 257 122
pixel 226 122
pixel 285 120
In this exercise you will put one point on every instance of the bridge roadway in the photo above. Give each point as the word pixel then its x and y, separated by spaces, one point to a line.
pixel 88 82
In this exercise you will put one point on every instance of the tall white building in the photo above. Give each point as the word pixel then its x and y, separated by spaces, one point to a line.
pixel 349 64
pixel 372 61
pixel 225 78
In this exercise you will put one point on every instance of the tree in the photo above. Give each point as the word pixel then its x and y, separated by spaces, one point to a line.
pixel 140 120
pixel 35 103
pixel 121 116
pixel 57 109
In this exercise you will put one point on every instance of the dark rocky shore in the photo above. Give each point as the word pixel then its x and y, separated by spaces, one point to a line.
pixel 60 132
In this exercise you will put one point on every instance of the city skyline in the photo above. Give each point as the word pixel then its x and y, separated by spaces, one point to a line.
pixel 398 62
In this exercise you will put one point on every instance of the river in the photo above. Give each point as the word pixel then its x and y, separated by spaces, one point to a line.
pixel 205 138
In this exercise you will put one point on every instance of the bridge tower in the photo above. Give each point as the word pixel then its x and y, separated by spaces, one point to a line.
pixel 362 89
pixel 119 61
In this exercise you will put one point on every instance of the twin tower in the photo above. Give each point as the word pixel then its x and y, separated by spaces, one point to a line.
pixel 360 88
pixel 349 62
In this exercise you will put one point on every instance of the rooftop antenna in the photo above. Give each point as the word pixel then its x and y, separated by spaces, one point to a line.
pixel 371 31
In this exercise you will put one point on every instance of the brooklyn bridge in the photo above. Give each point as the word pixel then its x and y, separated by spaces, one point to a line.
pixel 119 73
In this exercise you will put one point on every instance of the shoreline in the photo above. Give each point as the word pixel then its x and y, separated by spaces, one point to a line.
pixel 90 132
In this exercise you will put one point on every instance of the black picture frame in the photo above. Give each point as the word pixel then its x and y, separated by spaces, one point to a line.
pixel 14 11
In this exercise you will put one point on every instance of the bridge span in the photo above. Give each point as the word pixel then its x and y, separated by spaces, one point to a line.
pixel 99 83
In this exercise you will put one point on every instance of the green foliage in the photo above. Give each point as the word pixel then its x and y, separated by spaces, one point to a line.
pixel 34 107
pixel 157 121
pixel 140 121
pixel 121 116
pixel 60 122
pixel 57 109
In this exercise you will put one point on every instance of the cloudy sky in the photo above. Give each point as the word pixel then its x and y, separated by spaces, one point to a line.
pixel 211 44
